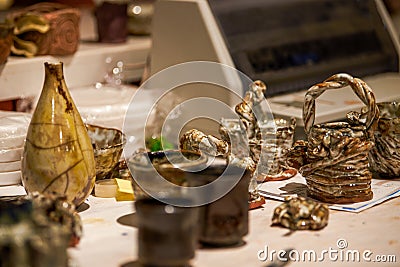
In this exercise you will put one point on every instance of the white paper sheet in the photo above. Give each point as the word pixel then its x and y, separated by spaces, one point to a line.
pixel 382 189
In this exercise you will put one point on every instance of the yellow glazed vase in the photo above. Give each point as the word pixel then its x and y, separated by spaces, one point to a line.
pixel 58 155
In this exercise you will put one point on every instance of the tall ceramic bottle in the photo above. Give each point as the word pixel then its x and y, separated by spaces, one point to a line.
pixel 58 155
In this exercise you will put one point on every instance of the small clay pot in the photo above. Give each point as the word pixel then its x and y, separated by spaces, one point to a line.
pixel 112 22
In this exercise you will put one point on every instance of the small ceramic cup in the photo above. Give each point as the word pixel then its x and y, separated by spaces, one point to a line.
pixel 167 235
pixel 223 222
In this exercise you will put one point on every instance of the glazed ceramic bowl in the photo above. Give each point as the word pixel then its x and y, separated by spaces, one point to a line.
pixel 107 144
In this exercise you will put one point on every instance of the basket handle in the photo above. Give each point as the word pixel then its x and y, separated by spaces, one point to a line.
pixel 337 81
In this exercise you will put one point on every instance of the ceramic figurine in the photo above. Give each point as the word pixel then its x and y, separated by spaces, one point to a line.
pixel 58 156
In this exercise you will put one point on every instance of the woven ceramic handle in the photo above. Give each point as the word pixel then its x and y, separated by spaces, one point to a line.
pixel 360 88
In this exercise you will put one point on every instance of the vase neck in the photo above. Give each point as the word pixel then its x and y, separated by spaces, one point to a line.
pixel 54 70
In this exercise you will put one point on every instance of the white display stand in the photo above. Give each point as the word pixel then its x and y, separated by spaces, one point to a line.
pixel 23 77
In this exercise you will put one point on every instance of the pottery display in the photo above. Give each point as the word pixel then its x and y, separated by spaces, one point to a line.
pixel 255 141
pixel 58 155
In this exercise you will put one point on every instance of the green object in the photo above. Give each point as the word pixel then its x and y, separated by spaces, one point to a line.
pixel 158 143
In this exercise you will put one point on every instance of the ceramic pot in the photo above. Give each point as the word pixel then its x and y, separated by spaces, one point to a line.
pixel 58 156
pixel 225 221
pixel 166 233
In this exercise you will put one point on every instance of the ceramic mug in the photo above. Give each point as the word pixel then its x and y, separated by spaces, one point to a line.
pixel 223 222
pixel 167 235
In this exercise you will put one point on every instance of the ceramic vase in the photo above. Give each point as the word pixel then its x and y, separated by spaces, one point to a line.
pixel 58 156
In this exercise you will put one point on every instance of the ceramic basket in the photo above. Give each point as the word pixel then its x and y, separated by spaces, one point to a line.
pixel 337 169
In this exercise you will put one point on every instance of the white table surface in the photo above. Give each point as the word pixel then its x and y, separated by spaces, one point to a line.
pixel 109 238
